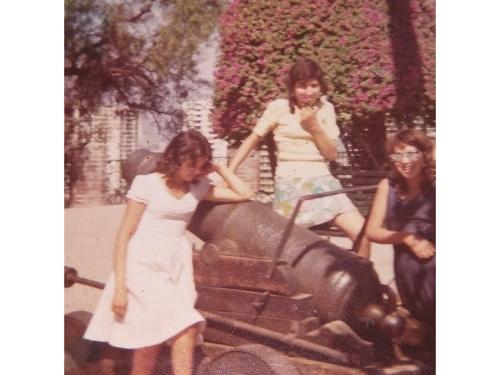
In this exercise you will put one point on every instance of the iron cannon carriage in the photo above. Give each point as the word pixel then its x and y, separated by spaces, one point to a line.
pixel 278 299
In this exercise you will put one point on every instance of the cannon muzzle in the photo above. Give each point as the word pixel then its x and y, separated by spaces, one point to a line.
pixel 71 277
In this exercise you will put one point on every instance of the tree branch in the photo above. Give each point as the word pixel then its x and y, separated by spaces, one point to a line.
pixel 74 71
pixel 144 10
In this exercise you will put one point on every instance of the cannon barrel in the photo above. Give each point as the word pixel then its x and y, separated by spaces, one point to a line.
pixel 343 284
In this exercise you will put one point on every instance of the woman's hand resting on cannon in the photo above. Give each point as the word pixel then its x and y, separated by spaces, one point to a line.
pixel 230 188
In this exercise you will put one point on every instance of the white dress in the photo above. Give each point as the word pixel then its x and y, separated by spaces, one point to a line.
pixel 159 271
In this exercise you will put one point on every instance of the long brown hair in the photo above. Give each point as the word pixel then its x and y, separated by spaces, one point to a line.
pixel 188 145
pixel 423 144
pixel 303 70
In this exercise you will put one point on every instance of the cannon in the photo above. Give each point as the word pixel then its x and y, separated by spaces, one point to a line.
pixel 268 287
pixel 241 241
pixel 297 283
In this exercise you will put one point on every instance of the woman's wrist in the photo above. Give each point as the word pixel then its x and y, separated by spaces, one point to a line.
pixel 220 168
pixel 409 239
pixel 232 166
pixel 224 172
pixel 119 288
pixel 314 126
pixel 315 131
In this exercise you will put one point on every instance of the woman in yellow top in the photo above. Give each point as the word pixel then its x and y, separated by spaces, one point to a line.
pixel 305 131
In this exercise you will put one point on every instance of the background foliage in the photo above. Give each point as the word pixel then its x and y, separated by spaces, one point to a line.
pixel 137 53
pixel 378 57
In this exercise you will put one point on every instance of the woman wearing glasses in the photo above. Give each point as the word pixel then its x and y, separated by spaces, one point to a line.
pixel 404 214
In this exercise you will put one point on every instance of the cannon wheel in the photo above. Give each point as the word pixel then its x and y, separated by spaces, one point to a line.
pixel 75 324
pixel 251 359
pixel 76 349
pixel 70 365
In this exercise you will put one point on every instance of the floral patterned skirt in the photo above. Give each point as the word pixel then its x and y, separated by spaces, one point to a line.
pixel 312 212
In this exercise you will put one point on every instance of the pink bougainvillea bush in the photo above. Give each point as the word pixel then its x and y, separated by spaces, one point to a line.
pixel 378 57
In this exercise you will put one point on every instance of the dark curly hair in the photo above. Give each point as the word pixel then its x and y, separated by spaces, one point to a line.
pixel 187 145
pixel 422 143
pixel 303 70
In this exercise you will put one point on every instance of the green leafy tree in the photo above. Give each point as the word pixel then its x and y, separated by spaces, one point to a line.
pixel 136 53
pixel 378 56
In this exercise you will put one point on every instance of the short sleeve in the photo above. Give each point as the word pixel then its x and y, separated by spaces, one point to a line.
pixel 139 191
pixel 201 188
pixel 268 120
pixel 329 120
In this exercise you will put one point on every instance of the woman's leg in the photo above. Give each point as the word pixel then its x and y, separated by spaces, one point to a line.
pixel 416 282
pixel 351 223
pixel 108 360
pixel 144 360
pixel 182 351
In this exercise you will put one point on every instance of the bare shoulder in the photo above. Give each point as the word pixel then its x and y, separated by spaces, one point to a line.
pixel 325 102
pixel 383 186
pixel 278 104
pixel 148 178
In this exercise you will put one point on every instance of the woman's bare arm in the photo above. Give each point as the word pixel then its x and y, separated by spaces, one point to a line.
pixel 375 226
pixel 131 218
pixel 245 148
pixel 236 191
pixel 376 231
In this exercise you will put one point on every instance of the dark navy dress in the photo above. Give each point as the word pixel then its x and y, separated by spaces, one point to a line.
pixel 415 278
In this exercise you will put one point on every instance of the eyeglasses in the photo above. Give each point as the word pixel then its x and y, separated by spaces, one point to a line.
pixel 411 156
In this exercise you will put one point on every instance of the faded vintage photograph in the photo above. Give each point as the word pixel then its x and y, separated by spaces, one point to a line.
pixel 249 187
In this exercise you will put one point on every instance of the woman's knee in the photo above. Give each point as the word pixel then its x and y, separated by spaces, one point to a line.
pixel 189 334
pixel 350 222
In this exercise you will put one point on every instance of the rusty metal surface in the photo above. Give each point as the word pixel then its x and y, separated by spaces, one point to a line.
pixel 252 359
pixel 242 273
pixel 270 337
pixel 303 365
pixel 341 283
pixel 297 307
pixel 76 349
pixel 71 277
pixel 139 162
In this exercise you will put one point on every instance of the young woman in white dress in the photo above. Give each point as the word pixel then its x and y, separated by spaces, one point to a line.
pixel 150 296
